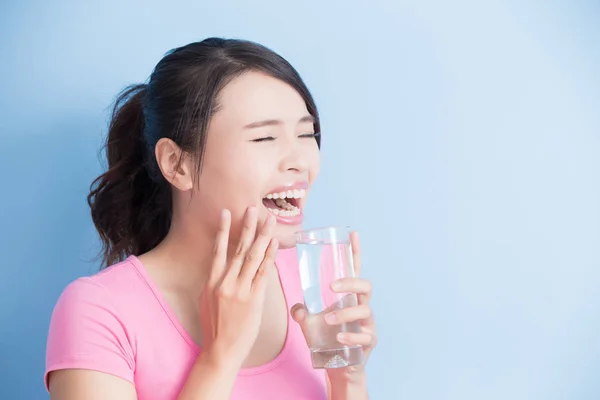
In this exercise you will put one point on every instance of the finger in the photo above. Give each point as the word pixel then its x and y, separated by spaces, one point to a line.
pixel 352 285
pixel 349 314
pixel 362 287
pixel 356 339
pixel 355 244
pixel 220 248
pixel 268 262
pixel 257 251
pixel 246 238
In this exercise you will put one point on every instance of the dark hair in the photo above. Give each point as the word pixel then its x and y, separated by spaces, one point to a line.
pixel 131 202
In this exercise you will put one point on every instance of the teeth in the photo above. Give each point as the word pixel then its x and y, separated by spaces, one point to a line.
pixel 290 194
pixel 285 213
pixel 287 209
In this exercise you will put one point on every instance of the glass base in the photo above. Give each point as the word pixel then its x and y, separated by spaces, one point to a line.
pixel 337 358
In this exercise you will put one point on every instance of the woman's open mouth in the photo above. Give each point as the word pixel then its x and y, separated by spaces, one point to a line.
pixel 284 204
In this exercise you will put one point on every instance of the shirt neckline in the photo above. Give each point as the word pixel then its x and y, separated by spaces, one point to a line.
pixel 277 361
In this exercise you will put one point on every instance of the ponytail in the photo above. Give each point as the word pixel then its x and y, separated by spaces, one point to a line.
pixel 130 209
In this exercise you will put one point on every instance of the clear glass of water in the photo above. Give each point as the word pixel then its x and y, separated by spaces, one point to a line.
pixel 325 255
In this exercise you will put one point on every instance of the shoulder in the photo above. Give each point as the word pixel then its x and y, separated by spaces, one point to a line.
pixel 113 294
pixel 90 328
pixel 99 293
pixel 117 284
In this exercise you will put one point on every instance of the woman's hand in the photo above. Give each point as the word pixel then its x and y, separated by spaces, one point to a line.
pixel 231 304
pixel 362 313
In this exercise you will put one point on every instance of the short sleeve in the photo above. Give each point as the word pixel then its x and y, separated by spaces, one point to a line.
pixel 87 332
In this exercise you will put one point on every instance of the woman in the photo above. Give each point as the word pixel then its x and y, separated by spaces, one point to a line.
pixel 194 301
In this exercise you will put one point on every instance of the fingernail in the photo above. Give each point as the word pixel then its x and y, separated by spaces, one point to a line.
pixel 342 337
pixel 337 285
pixel 331 318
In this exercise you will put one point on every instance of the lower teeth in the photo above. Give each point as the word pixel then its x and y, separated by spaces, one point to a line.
pixel 285 213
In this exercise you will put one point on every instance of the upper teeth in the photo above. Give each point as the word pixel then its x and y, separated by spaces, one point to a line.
pixel 290 194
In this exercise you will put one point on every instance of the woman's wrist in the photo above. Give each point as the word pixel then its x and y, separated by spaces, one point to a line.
pixel 224 357
pixel 346 386
pixel 212 377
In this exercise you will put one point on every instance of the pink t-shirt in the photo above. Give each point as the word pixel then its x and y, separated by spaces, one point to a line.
pixel 117 322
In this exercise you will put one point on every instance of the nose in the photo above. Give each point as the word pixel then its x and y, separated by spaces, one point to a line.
pixel 294 158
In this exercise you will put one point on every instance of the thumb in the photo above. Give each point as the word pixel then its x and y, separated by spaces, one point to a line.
pixel 299 313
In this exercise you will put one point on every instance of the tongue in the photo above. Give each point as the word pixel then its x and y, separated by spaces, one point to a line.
pixel 270 203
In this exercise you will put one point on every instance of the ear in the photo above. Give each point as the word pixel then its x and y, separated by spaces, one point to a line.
pixel 175 164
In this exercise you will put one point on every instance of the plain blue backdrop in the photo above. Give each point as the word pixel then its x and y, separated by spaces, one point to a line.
pixel 462 139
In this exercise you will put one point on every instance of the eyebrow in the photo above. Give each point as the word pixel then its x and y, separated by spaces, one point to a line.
pixel 272 122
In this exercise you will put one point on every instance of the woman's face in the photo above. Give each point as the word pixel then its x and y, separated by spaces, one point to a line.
pixel 260 151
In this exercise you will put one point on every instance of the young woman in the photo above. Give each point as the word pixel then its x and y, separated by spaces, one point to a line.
pixel 201 267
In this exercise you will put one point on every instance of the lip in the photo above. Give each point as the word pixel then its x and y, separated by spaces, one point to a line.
pixel 291 186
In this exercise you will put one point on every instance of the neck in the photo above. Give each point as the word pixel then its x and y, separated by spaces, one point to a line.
pixel 183 259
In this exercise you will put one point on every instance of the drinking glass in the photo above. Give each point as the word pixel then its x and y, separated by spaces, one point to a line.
pixel 325 255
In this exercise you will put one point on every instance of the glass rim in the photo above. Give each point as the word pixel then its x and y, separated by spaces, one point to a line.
pixel 345 228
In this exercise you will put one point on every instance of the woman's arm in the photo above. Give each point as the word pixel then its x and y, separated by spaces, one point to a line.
pixel 82 384
pixel 209 379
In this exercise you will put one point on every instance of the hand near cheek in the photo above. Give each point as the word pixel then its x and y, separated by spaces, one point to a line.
pixel 360 313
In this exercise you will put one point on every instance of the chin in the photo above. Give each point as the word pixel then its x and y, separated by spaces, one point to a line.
pixel 285 235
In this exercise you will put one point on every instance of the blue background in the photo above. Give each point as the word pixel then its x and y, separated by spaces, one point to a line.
pixel 461 138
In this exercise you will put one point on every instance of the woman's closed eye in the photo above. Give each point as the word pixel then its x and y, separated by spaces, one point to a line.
pixel 263 139
pixel 312 135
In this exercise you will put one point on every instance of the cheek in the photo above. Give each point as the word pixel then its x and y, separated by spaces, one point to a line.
pixel 228 188
pixel 232 180
pixel 314 165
